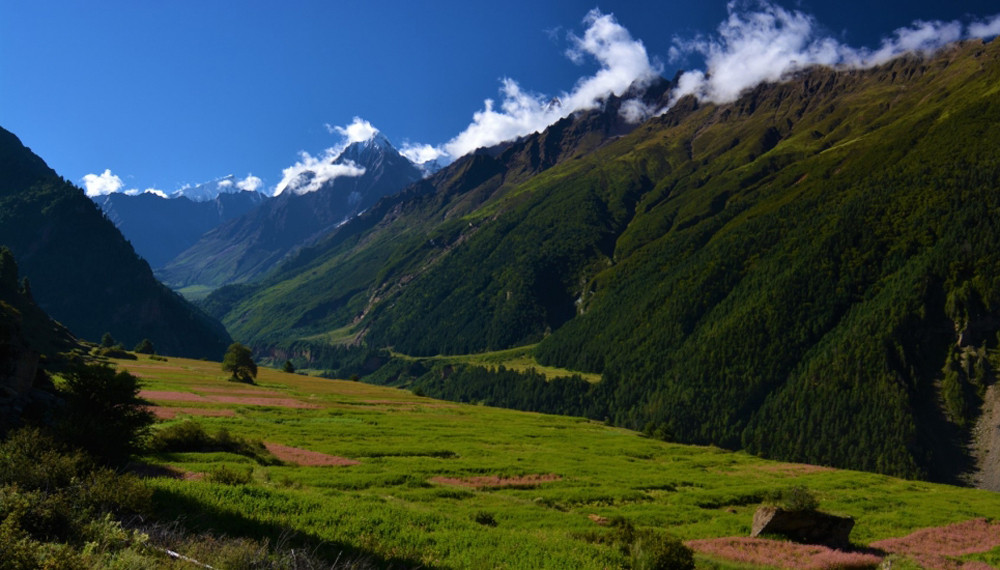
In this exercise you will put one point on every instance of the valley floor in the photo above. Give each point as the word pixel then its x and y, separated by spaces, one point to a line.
pixel 423 482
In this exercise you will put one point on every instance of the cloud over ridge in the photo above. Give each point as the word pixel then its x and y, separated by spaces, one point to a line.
pixel 762 42
pixel 622 59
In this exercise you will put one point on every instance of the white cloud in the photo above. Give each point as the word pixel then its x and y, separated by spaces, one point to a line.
pixel 622 59
pixel 156 192
pixel 634 111
pixel 753 47
pixel 225 183
pixel 310 173
pixel 922 37
pixel 762 42
pixel 420 153
pixel 359 130
pixel 250 184
pixel 102 184
pixel 985 29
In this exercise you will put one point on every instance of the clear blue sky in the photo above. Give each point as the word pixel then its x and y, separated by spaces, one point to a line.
pixel 169 93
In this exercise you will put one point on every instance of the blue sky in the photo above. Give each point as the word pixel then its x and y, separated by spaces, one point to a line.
pixel 164 94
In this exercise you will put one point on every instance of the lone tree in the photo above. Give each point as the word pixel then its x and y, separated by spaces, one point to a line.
pixel 107 341
pixel 144 347
pixel 239 361
pixel 288 367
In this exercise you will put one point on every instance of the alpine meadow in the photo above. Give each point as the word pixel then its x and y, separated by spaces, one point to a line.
pixel 731 301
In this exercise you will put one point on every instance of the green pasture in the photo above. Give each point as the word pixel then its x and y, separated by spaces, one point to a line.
pixel 521 359
pixel 390 504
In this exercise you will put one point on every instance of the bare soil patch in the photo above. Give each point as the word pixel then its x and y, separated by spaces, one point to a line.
pixel 167 413
pixel 497 481
pixel 782 554
pixel 305 457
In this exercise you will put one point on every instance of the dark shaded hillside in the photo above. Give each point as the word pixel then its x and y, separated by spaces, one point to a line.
pixel 82 271
pixel 808 273
pixel 161 228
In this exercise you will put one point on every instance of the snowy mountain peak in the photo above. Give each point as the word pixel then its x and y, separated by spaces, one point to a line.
pixel 208 191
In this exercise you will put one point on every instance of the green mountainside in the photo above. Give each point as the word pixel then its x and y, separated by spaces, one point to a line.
pixel 808 273
pixel 82 271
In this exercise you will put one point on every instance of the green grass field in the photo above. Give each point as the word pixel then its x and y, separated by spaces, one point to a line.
pixel 391 503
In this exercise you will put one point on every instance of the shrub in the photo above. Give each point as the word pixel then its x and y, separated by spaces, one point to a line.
pixel 104 415
pixel 32 460
pixel 796 498
pixel 188 435
pixel 144 347
pixel 484 518
pixel 651 551
pixel 230 476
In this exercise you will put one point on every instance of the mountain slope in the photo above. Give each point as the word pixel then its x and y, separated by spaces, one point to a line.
pixel 82 271
pixel 808 273
pixel 372 256
pixel 254 243
pixel 161 228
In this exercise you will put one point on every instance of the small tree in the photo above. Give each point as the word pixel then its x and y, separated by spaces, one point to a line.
pixel 239 362
pixel 8 269
pixel 144 347
pixel 103 413
pixel 288 367
pixel 107 341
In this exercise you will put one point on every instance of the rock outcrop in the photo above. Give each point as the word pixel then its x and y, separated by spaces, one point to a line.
pixel 810 527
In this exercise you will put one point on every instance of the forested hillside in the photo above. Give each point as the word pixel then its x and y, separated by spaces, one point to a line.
pixel 81 270
pixel 808 273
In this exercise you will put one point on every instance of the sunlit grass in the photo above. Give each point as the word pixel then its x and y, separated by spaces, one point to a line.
pixel 388 503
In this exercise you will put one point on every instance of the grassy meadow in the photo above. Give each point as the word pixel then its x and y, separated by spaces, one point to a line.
pixel 545 483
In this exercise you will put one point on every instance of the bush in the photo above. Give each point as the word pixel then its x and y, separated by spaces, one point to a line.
pixel 188 435
pixel 103 414
pixel 484 518
pixel 649 550
pixel 144 347
pixel 796 498
pixel 230 476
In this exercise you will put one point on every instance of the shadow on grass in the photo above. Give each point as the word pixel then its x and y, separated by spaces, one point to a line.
pixel 198 517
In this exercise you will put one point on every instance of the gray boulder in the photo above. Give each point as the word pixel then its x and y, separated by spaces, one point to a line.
pixel 810 527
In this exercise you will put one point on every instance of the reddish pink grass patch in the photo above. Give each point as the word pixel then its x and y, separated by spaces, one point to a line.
pixel 305 457
pixel 782 554
pixel 164 413
pixel 220 399
pixel 171 396
pixel 227 390
pixel 496 481
pixel 277 402
pixel 932 547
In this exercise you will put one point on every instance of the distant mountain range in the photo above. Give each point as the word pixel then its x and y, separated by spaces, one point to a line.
pixel 809 273
pixel 248 246
pixel 82 271
pixel 161 228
